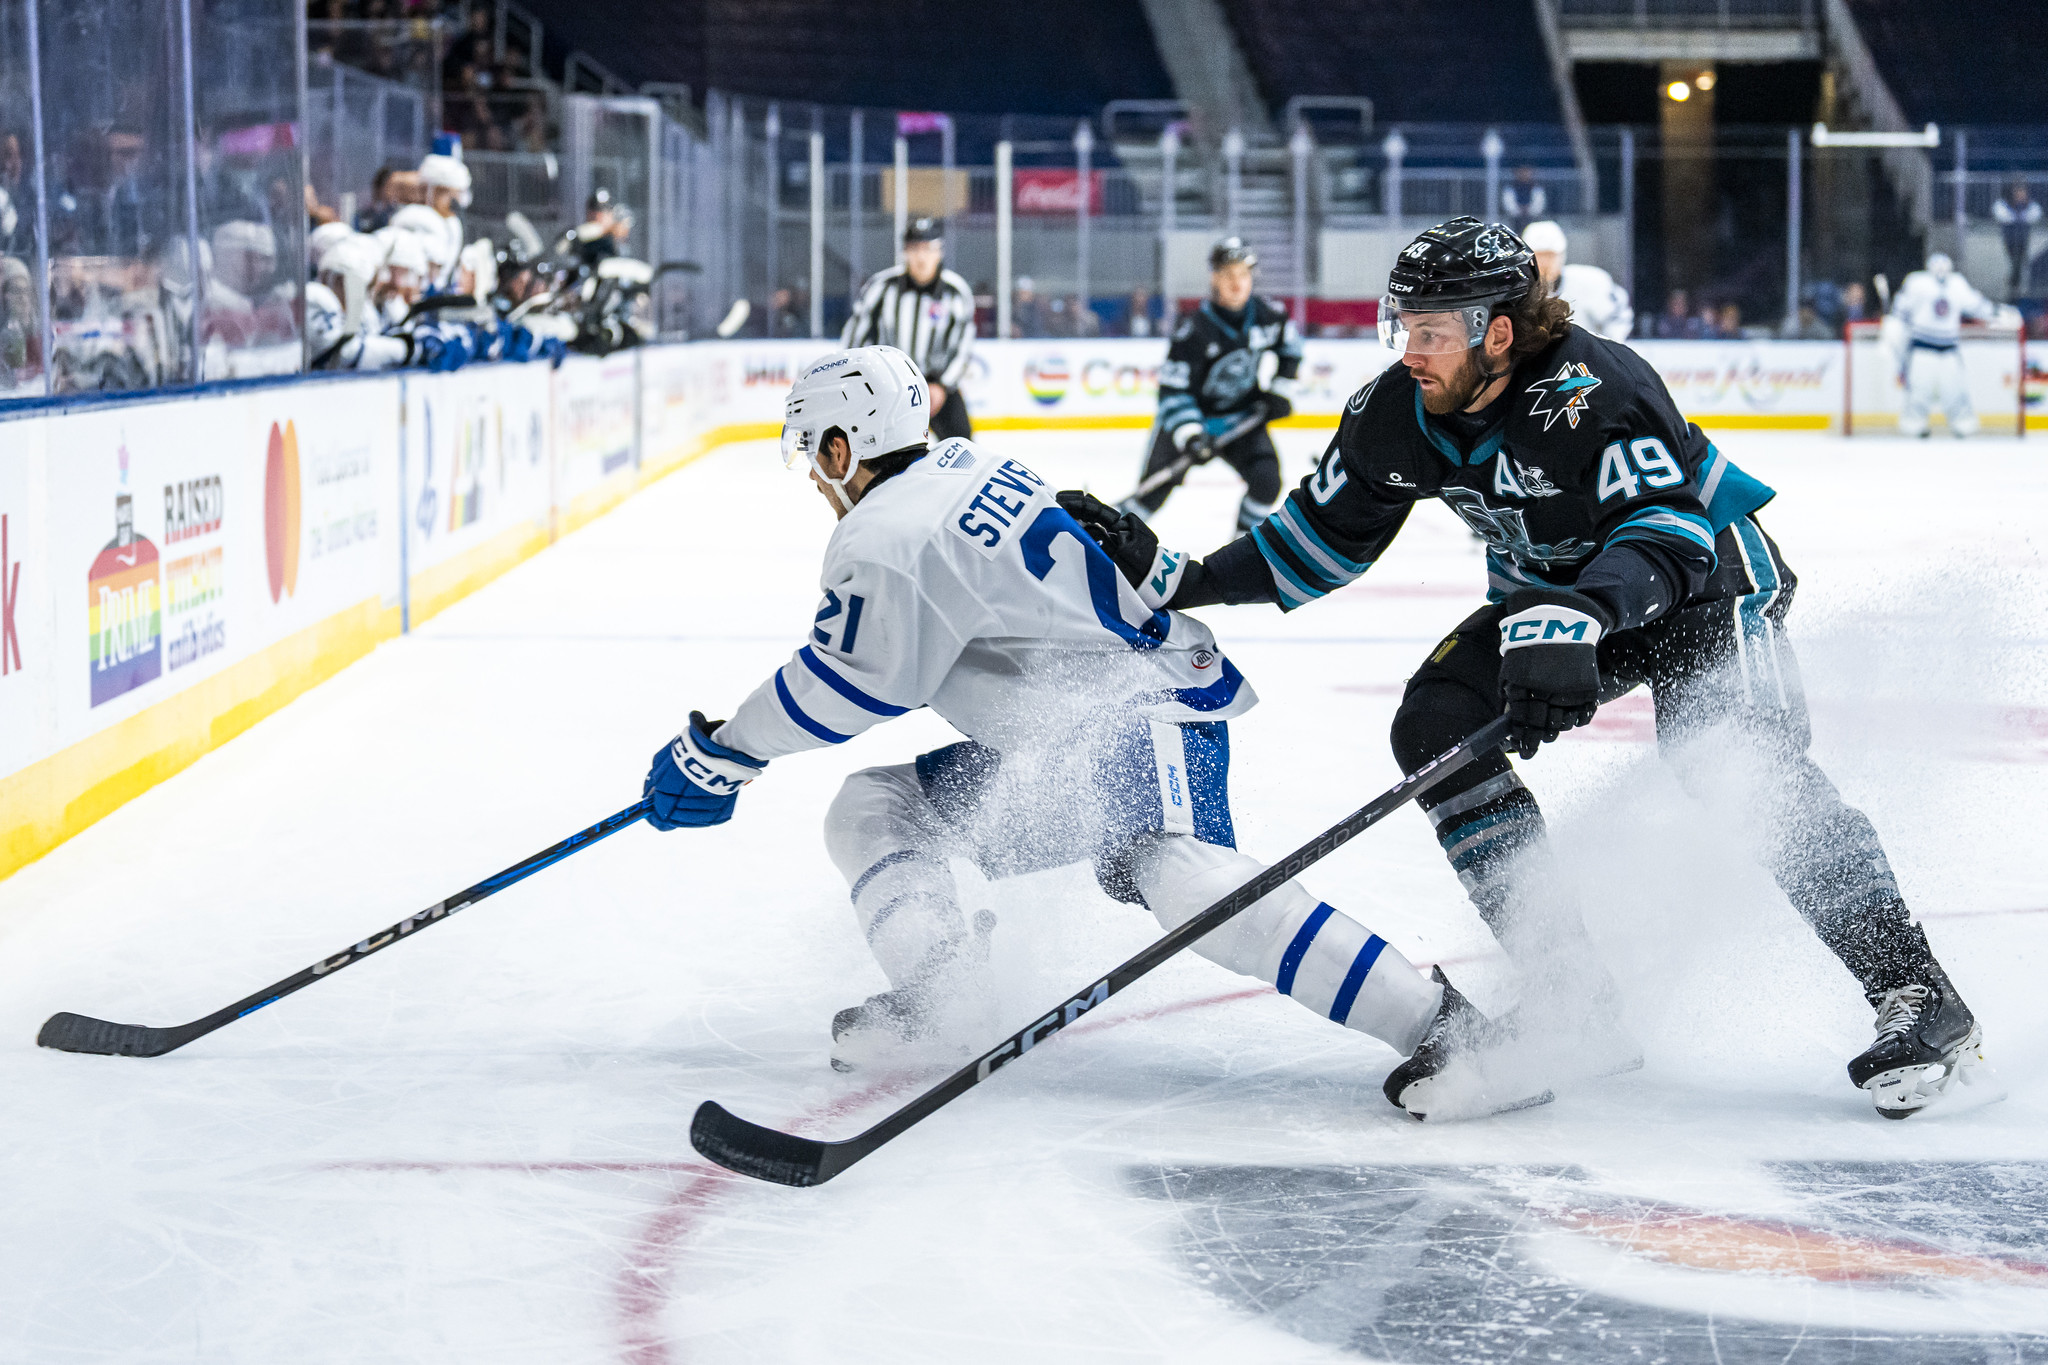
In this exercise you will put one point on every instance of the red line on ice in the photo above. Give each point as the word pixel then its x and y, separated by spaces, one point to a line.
pixel 643 1284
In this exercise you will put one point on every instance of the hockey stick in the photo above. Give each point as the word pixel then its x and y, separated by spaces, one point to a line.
pixel 786 1159
pixel 1182 463
pixel 80 1033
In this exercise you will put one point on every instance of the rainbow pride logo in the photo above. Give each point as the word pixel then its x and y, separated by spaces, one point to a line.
pixel 124 610
pixel 1046 378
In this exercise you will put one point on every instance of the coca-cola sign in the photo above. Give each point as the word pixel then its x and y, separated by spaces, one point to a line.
pixel 1050 190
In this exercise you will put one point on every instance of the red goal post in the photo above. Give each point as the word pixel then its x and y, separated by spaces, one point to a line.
pixel 1994 364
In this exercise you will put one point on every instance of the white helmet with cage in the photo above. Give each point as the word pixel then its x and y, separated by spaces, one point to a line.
pixel 874 396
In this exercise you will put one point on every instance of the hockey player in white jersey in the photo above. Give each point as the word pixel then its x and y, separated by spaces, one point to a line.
pixel 1598 304
pixel 1922 330
pixel 1095 731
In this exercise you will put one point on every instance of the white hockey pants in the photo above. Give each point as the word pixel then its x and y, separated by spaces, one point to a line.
pixel 1936 379
pixel 892 848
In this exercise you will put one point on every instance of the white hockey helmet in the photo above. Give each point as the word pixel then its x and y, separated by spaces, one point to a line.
pixel 1545 236
pixel 426 225
pixel 874 396
pixel 351 264
pixel 1940 266
pixel 323 237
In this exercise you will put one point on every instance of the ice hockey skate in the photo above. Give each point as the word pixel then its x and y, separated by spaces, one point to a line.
pixel 1464 1068
pixel 937 1020
pixel 1927 1043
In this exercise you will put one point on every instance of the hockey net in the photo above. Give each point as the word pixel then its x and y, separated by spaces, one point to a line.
pixel 1994 364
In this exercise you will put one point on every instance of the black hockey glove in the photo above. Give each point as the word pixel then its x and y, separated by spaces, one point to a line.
pixel 1277 406
pixel 1130 544
pixel 1549 664
pixel 1192 439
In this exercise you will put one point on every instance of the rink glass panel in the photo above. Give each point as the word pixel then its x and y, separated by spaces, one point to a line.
pixel 121 286
pixel 21 286
pixel 252 216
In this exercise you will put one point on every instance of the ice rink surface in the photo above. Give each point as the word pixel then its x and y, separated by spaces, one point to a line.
pixel 474 1149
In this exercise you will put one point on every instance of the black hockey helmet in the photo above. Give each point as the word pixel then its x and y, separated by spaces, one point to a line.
pixel 1232 250
pixel 1459 264
pixel 924 230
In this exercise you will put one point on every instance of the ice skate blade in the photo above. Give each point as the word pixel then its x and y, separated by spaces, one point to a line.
pixel 1448 1097
pixel 1904 1091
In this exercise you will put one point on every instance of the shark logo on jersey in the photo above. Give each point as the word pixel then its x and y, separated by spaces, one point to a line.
pixel 1505 530
pixel 1564 395
pixel 1231 378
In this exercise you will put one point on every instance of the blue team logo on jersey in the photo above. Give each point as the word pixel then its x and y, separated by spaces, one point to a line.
pixel 1564 395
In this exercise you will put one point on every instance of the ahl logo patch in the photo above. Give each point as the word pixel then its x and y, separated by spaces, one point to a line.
pixel 1563 395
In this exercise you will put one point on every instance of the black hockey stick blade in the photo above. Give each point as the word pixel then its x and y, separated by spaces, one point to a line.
pixel 786 1159
pixel 763 1153
pixel 67 1032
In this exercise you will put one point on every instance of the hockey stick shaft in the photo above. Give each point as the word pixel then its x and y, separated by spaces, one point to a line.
pixel 80 1033
pixel 786 1159
pixel 1182 463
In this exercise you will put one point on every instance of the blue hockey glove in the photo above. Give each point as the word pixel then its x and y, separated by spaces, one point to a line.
pixel 1549 664
pixel 695 781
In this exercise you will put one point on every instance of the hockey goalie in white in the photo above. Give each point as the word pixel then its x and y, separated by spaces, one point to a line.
pixel 1096 731
pixel 1598 304
pixel 1923 331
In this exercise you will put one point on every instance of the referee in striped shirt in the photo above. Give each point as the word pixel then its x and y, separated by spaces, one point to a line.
pixel 927 312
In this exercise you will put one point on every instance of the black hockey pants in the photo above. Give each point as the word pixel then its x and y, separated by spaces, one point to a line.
pixel 1725 660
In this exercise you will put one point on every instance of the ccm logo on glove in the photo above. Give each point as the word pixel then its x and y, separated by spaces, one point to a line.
pixel 1548 625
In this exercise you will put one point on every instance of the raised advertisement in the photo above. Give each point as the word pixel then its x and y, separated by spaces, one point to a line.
pixel 477 454
pixel 596 434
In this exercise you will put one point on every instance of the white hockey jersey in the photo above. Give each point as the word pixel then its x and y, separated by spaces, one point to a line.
pixel 1933 310
pixel 962 585
pixel 1598 304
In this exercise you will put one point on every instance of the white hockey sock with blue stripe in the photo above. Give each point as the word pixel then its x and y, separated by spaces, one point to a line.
pixel 879 834
pixel 1305 949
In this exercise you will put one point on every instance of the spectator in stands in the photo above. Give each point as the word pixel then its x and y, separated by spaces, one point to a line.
pixel 1523 201
pixel 1728 322
pixel 378 211
pixel 472 47
pixel 1144 315
pixel 1855 303
pixel 1027 313
pixel 1070 317
pixel 530 130
pixel 21 335
pixel 785 314
pixel 1675 323
pixel 17 200
pixel 2016 214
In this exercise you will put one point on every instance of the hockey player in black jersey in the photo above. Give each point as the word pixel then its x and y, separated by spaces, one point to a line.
pixel 1623 550
pixel 1209 389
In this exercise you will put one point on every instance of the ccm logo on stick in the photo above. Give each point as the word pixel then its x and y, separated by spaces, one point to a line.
pixel 1016 1047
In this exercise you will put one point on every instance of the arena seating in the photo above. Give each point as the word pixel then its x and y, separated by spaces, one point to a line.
pixel 1411 57
pixel 1064 57
pixel 1961 61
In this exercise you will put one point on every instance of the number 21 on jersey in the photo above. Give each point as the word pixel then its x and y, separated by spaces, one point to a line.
pixel 849 630
pixel 1645 463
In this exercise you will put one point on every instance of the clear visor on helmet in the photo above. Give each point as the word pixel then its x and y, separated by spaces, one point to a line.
pixel 796 447
pixel 1413 332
